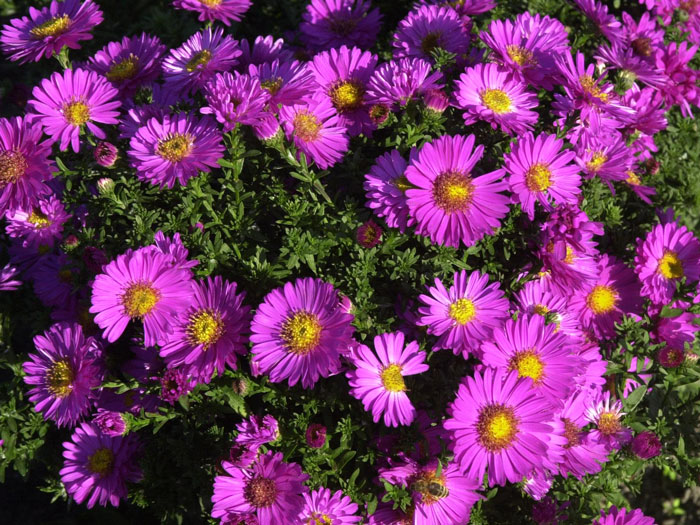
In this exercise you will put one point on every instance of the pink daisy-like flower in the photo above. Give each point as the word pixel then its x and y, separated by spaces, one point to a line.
pixel 64 373
pixel 175 148
pixel 174 384
pixel 270 488
pixel 174 248
pixel 536 298
pixel 287 82
pixel 378 380
pixel 498 421
pixel 49 29
pixel 615 516
pixel 681 87
pixel 605 156
pixel 129 64
pixel 256 431
pixel 607 24
pixel 141 284
pixel 385 186
pixel 41 224
pixel 667 254
pixel 264 49
pixel 189 67
pixel 488 92
pixel 333 23
pixel 541 171
pixel 299 332
pixel 397 82
pixel 211 332
pixel 7 278
pixel 606 413
pixel 369 234
pixel 631 67
pixel 234 99
pixel 97 467
pixel 465 315
pixel 316 435
pixel 315 128
pixel 67 101
pixel 448 204
pixel 428 27
pixel 323 506
pixel 225 11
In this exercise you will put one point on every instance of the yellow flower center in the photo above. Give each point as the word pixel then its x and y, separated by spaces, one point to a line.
pixel 597 160
pixel 101 461
pixel 402 183
pixel 541 309
pixel 272 85
pixel 453 191
pixel 347 96
pixel 670 266
pixel 124 69
pixel 319 519
pixel 201 58
pixel 53 27
pixel 211 3
pixel 65 275
pixel 589 86
pixel 175 147
pixel 496 100
pixel 520 55
pixel 609 423
pixel 370 234
pixel 392 379
pixel 13 166
pixel 306 126
pixel 76 113
pixel 528 364
pixel 139 299
pixel 602 299
pixel 462 311
pixel 537 178
pixel 205 328
pixel 260 492
pixel 59 379
pixel 430 42
pixel 39 220
pixel 633 179
pixel 301 333
pixel 497 427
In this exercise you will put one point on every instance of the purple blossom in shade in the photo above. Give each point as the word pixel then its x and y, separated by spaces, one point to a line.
pixel 174 384
pixel 315 129
pixel 7 278
pixel 436 100
pixel 378 380
pixel 333 23
pixel 488 92
pixel 606 414
pixel 40 224
pixel 105 154
pixel 385 186
pixel 299 332
pixel 48 29
pixel 63 373
pixel 646 445
pixel 234 99
pixel 225 11
pixel 129 64
pixel 448 204
pixel 667 254
pixel 67 101
pixel 270 487
pixel 535 298
pixel 94 259
pixel 131 401
pixel 264 49
pixel 322 505
pixel 26 257
pixel 256 431
pixel 24 163
pixel 427 28
pixel 607 24
pixel 242 455
pixel 464 315
pixel 615 516
pixel 549 512
pixel 146 364
pixel 681 88
pixel 54 281
pixel 537 484
pixel 316 435
pixel 174 248
pixel 397 82
pixel 110 423
pixel 604 155
pixel 386 514
pixel 541 171
pixel 369 234
pixel 97 467
pixel 143 285
pixel 137 117
pixel 630 66
pixel 175 148
pixel 670 357
pixel 342 76
pixel 286 82
pixel 189 67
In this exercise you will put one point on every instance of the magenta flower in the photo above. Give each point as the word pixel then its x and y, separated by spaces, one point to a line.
pixel 606 414
pixel 671 357
pixel 616 516
pixel 299 332
pixel 257 431
pixel 174 248
pixel 41 224
pixel 378 380
pixel 604 155
pixel 607 24
pixel 110 423
pixel 234 99
pixel 646 445
pixel 316 435
pixel 323 506
pixel 67 101
pixel 264 49
pixel 397 82
pixel 429 27
pixel 174 384
pixel 64 373
pixel 448 204
pixel 385 186
pixel 225 11
pixel 7 278
pixel 49 29
pixel 369 235
pixel 536 298
pixel 681 87
pixel 97 467
pixel 287 82
pixel 333 23
pixel 105 154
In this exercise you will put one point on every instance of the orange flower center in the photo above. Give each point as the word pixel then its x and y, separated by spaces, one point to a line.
pixel 301 332
pixel 497 427
pixel 306 126
pixel 13 166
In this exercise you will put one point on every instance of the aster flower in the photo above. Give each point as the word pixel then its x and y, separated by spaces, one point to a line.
pixel 537 484
pixel 385 514
pixel 369 234
pixel 605 156
pixel 105 154
pixel 141 284
pixel 315 128
pixel 466 314
pixel 256 431
pixel 264 49
pixel 225 11
pixel 631 67
pixel 40 224
pixel 536 24
pixel 110 423
pixel 316 435
pixel 607 24
pixel 7 278
pixel 497 421
pixel 615 516
pixel 286 82
pixel 173 247
pixel 428 27
pixel 333 23
pixel 299 332
pixel 234 99
pixel 48 29
pixel 174 384
pixel 270 487
pixel 536 298
pixel 54 281
pixel 67 101
pixel 606 414
pixel 436 100
pixel 671 357
pixel 322 505
pixel 681 87
pixel 646 445
pixel 549 512
pixel 397 82
pixel 448 204
pixel 378 380
pixel 175 148
pixel 667 254
pixel 189 67
pixel 97 467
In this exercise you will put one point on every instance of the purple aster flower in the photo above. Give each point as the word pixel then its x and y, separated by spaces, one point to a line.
pixel 606 413
pixel 141 284
pixel 234 99
pixel 268 130
pixel 137 117
pixel 436 100
pixel 40 224
pixel 677 330
pixel 54 281
pixel 94 259
pixel 97 467
pixel 174 248
pixel 256 431
pixel 316 435
pixel 369 234
pixel 497 421
pixel 105 154
pixel 397 82
pixel 647 120
pixel 175 148
pixel 287 82
pixel 378 380
pixel 682 85
pixel 242 455
pixel 537 484
pixel 536 24
pixel 110 423
pixel 63 373
pixel 646 445
pixel 448 204
pixel 323 506
pixel 67 101
pixel 670 357
pixel 174 384
pixel 225 11
pixel 631 66
pixel 429 27
pixel 315 128
pixel 385 186
pixel 615 516
pixel 7 278
pixel 607 24
pixel 299 332
pixel 264 49
pixel 465 315
pixel 189 67
pixel 535 298
pixel 643 36
pixel 333 23
pixel 49 29
pixel 270 487
pixel 385 514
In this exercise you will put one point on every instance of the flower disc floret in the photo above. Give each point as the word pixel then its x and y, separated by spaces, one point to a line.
pixel 497 427
pixel 301 332
pixel 602 299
